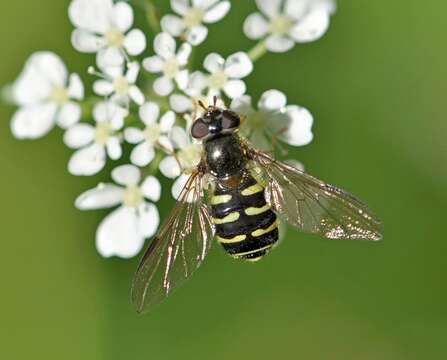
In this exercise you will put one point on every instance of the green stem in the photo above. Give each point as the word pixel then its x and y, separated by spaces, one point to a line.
pixel 258 51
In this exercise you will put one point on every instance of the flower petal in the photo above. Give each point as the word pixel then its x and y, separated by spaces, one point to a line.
pixel 148 219
pixel 103 87
pixel 114 148
pixel 87 42
pixel 235 88
pixel 68 115
pixel 272 100
pixel 75 87
pixel 91 15
pixel 242 105
pixel 154 64
pixel 119 235
pixel 279 43
pixel 87 161
pixel 178 186
pixel 311 28
pixel 42 72
pixel 214 63
pixel 135 42
pixel 164 46
pixel 182 79
pixel 198 81
pixel 270 8
pixel 299 132
pixel 179 137
pixel 136 95
pixel 204 4
pixel 173 25
pixel 183 54
pixel 102 197
pixel 163 86
pixel 33 122
pixel 79 135
pixel 149 113
pixel 122 16
pixel 255 26
pixel 181 7
pixel 133 69
pixel 296 9
pixel 126 175
pixel 151 188
pixel 169 167
pixel 142 154
pixel 167 121
pixel 238 65
pixel 109 57
pixel 133 135
pixel 180 103
pixel 217 12
pixel 197 35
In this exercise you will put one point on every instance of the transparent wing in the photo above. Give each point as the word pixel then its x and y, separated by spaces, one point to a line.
pixel 177 251
pixel 314 206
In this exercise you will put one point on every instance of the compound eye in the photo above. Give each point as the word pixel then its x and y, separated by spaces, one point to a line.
pixel 230 120
pixel 199 129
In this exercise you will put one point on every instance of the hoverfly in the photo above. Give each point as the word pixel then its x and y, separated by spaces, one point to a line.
pixel 237 194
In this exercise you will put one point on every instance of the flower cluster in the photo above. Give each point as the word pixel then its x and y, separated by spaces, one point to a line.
pixel 145 100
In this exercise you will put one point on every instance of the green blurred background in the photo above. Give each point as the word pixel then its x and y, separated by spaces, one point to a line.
pixel 376 85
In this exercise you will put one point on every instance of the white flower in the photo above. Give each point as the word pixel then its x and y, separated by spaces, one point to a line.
pixel 190 23
pixel 154 135
pixel 274 120
pixel 122 232
pixel 94 143
pixel 224 75
pixel 103 28
pixel 119 85
pixel 45 91
pixel 286 22
pixel 179 165
pixel 169 64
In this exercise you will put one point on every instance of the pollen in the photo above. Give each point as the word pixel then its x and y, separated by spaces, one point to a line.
pixel 60 95
pixel 193 17
pixel 121 86
pixel 152 133
pixel 103 132
pixel 114 38
pixel 190 156
pixel 281 25
pixel 171 68
pixel 218 80
pixel 133 196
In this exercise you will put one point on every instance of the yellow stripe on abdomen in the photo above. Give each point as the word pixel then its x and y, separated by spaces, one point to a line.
pixel 234 216
pixel 251 190
pixel 257 210
pixel 220 199
pixel 236 239
pixel 261 232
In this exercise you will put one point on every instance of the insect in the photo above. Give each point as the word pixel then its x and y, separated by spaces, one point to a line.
pixel 237 195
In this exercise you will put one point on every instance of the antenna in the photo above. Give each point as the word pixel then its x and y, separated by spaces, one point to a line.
pixel 202 105
pixel 215 100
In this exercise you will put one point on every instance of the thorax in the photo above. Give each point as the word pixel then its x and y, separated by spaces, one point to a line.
pixel 225 157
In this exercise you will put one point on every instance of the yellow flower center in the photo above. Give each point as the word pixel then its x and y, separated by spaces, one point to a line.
pixel 152 133
pixel 193 17
pixel 114 38
pixel 218 80
pixel 281 25
pixel 190 156
pixel 171 68
pixel 103 132
pixel 60 95
pixel 121 86
pixel 133 196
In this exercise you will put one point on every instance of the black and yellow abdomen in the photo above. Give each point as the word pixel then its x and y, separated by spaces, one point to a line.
pixel 245 224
